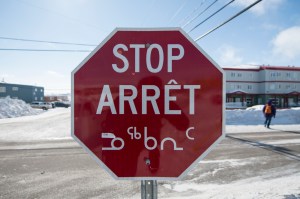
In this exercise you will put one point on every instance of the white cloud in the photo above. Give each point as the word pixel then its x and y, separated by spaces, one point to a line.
pixel 260 8
pixel 54 74
pixel 229 56
pixel 287 43
pixel 271 27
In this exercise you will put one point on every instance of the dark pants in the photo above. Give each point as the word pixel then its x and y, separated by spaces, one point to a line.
pixel 268 120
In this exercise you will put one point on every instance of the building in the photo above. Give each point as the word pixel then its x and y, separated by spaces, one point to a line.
pixel 252 85
pixel 57 97
pixel 24 92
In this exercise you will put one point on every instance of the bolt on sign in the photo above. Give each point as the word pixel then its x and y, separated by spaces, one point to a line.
pixel 148 104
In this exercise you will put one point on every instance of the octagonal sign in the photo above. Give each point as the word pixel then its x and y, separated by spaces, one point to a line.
pixel 148 104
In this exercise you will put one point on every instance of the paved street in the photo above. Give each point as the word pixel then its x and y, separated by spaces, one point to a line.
pixel 61 169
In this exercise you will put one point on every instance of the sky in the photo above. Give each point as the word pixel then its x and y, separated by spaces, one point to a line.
pixel 267 34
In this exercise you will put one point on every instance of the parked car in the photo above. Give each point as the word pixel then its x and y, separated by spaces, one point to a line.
pixel 41 105
pixel 62 104
pixel 52 104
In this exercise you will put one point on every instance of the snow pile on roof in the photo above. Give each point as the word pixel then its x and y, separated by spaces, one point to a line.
pixel 243 66
pixel 10 108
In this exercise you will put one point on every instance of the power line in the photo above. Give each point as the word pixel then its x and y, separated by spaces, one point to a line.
pixel 178 10
pixel 67 50
pixel 43 41
pixel 231 18
pixel 191 14
pixel 42 50
pixel 200 13
pixel 211 15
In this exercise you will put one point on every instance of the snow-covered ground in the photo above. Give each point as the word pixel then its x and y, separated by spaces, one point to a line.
pixel 55 124
pixel 252 119
pixel 20 122
pixel 49 125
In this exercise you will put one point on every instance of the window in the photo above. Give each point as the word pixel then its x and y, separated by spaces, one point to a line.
pixel 239 74
pixel 229 99
pixel 2 89
pixel 288 75
pixel 279 86
pixel 275 101
pixel 232 74
pixel 288 87
pixel 249 101
pixel 249 87
pixel 41 90
pixel 41 98
pixel 35 98
pixel 238 86
pixel 15 88
pixel 35 89
pixel 273 74
pixel 272 87
pixel 294 86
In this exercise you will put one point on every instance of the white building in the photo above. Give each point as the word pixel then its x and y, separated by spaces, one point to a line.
pixel 251 85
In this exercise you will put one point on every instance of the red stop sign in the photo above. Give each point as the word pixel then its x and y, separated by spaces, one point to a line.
pixel 148 103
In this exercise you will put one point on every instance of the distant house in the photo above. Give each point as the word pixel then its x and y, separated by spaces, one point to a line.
pixel 58 97
pixel 26 93
pixel 252 85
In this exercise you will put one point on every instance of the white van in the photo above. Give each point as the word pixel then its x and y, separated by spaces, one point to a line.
pixel 41 105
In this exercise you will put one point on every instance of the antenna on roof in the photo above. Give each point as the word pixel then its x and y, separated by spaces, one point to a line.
pixel 3 80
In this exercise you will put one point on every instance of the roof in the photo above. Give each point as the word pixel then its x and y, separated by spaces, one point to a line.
pixel 22 85
pixel 261 67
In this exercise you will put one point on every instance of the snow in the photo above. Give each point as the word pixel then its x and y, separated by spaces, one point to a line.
pixel 243 66
pixel 42 125
pixel 20 123
pixel 53 124
pixel 261 189
pixel 255 108
pixel 255 116
pixel 10 108
pixel 252 119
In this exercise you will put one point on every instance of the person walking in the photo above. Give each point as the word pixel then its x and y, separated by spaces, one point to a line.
pixel 269 111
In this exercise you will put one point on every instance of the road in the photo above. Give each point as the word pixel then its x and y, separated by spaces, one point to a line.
pixel 256 165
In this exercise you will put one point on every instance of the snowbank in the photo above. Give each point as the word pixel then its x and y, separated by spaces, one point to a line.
pixel 254 116
pixel 56 123
pixel 11 108
pixel 255 108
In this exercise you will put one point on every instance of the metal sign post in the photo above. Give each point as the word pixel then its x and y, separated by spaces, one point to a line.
pixel 148 189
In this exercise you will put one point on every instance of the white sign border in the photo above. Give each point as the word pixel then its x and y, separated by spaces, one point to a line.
pixel 207 151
